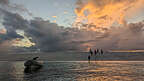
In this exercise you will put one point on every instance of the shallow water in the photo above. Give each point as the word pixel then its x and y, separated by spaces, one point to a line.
pixel 75 71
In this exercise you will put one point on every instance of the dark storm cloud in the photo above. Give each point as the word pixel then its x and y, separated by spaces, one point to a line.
pixel 4 2
pixel 137 28
pixel 128 37
pixel 48 36
pixel 11 31
pixel 6 5
pixel 10 11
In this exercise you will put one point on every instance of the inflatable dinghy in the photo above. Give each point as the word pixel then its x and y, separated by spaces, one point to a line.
pixel 32 66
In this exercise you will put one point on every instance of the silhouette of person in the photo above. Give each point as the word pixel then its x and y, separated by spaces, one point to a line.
pixel 101 51
pixel 95 51
pixel 91 51
pixel 89 58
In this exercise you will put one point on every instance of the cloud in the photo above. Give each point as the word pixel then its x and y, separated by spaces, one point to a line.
pixel 3 31
pixel 16 8
pixel 49 36
pixel 104 13
pixel 7 34
pixel 6 2
pixel 54 16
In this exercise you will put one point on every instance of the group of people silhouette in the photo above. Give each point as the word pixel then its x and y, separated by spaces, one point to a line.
pixel 95 52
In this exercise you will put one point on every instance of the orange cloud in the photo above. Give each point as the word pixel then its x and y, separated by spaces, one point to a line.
pixel 3 31
pixel 54 16
pixel 104 13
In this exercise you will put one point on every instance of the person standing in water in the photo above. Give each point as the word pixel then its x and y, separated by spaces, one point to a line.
pixel 89 58
pixel 95 52
pixel 101 51
pixel 91 52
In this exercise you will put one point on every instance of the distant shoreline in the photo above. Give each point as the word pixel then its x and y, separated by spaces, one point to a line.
pixel 77 56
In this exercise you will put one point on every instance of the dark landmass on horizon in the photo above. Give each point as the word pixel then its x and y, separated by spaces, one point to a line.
pixel 75 56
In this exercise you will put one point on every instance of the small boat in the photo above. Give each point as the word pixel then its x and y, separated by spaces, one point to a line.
pixel 32 66
pixel 32 69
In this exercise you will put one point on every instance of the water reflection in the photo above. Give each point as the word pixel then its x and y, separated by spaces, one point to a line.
pixel 75 71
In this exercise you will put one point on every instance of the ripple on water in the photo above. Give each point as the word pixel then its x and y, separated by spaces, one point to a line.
pixel 75 71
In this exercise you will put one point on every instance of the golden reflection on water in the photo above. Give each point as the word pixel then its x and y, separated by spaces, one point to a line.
pixel 17 71
pixel 82 71
pixel 106 78
pixel 107 71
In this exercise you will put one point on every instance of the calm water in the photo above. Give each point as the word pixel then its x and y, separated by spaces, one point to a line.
pixel 76 71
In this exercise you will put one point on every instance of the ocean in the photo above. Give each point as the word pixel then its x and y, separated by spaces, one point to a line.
pixel 75 71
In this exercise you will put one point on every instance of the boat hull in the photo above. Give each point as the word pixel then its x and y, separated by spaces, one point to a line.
pixel 32 68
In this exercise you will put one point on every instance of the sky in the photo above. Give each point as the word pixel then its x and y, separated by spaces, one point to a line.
pixel 61 11
pixel 71 25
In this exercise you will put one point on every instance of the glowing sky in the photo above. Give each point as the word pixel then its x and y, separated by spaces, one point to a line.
pixel 62 12
pixel 72 24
